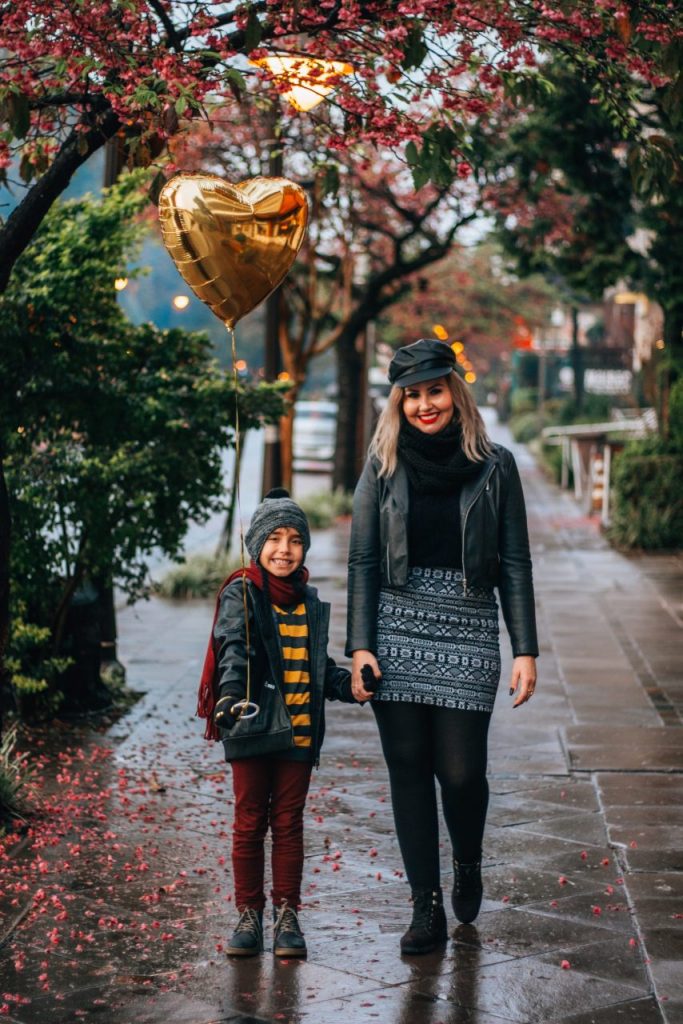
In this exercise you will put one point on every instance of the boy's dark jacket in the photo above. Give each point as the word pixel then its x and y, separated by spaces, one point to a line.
pixel 328 680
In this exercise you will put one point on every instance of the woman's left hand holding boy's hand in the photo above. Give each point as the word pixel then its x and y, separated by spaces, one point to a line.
pixel 359 659
pixel 523 681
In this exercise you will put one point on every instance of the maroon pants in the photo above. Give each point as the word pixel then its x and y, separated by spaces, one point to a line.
pixel 268 792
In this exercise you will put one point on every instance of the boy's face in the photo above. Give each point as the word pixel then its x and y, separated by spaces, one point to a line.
pixel 283 552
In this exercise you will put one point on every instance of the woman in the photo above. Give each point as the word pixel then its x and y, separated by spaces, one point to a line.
pixel 438 521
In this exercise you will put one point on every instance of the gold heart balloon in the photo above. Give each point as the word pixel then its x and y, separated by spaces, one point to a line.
pixel 233 244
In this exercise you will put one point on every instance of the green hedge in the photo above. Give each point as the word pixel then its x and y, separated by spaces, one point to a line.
pixel 647 498
pixel 528 425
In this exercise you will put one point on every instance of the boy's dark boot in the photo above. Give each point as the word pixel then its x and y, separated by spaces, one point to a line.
pixel 247 939
pixel 288 939
pixel 428 926
pixel 467 890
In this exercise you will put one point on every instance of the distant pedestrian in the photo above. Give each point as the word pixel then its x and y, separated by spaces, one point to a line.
pixel 438 522
pixel 289 675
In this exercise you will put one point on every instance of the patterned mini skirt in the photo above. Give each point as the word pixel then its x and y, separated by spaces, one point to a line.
pixel 437 644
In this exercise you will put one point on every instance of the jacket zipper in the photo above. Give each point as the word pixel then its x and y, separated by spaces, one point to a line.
pixel 475 499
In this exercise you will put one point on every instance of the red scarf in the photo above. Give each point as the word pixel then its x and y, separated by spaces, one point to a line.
pixel 282 590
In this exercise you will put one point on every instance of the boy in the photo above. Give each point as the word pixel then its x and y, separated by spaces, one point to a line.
pixel 287 629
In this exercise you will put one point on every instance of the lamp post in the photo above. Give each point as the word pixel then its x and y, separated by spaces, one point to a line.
pixel 308 80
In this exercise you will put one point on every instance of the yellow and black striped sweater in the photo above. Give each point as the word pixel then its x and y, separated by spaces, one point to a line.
pixel 293 632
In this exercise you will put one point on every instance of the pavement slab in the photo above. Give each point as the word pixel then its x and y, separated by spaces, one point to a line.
pixel 116 906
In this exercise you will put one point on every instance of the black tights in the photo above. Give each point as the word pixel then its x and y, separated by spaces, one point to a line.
pixel 419 743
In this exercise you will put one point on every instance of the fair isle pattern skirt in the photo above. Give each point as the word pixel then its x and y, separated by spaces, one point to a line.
pixel 437 645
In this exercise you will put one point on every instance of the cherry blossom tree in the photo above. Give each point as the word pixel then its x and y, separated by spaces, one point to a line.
pixel 370 232
pixel 74 76
pixel 478 299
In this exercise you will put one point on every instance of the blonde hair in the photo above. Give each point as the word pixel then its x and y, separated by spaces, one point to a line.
pixel 475 441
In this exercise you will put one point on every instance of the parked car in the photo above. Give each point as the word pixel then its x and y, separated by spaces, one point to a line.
pixel 315 430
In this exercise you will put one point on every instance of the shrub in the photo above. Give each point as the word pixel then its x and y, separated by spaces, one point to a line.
pixel 324 507
pixel 550 457
pixel 527 426
pixel 523 400
pixel 594 409
pixel 34 671
pixel 14 774
pixel 676 414
pixel 647 497
pixel 199 576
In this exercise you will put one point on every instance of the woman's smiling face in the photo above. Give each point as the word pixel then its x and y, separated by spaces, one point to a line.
pixel 428 406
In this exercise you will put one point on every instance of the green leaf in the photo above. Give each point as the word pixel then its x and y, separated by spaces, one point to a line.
pixel 420 177
pixel 26 169
pixel 181 105
pixel 237 79
pixel 412 155
pixel 158 182
pixel 330 183
pixel 415 49
pixel 253 32
pixel 18 114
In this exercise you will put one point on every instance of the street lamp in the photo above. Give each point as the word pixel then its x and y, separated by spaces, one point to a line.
pixel 309 81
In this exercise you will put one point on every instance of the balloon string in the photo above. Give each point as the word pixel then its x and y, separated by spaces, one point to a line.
pixel 238 459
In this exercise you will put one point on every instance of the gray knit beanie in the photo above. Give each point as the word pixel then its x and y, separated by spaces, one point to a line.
pixel 277 509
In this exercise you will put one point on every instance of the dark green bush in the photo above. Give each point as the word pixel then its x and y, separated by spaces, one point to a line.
pixel 550 456
pixel 676 414
pixel 199 576
pixel 526 426
pixel 594 409
pixel 323 507
pixel 647 497
pixel 523 400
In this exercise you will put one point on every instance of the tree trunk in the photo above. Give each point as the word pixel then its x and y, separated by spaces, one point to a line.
pixel 5 541
pixel 22 224
pixel 576 357
pixel 350 366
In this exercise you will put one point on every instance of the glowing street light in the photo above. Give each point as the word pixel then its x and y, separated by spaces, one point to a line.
pixel 470 376
pixel 304 83
pixel 458 347
pixel 440 332
pixel 309 80
pixel 181 302
pixel 120 283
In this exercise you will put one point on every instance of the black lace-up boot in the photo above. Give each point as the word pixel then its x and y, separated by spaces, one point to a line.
pixel 428 926
pixel 247 939
pixel 288 939
pixel 467 890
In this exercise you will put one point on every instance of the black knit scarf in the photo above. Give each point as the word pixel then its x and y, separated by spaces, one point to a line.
pixel 435 462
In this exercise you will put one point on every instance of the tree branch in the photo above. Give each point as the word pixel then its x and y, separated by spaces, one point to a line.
pixel 25 219
pixel 172 38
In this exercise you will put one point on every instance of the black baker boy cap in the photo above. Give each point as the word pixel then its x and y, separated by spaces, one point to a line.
pixel 425 359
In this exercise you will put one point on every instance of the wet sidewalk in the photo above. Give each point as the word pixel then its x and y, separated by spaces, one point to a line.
pixel 118 906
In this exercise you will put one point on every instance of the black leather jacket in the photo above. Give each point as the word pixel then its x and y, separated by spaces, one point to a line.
pixel 328 680
pixel 495 546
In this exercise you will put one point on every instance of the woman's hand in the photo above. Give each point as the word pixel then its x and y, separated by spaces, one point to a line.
pixel 360 658
pixel 523 681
